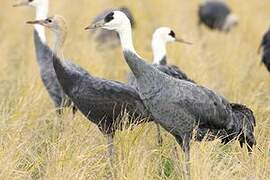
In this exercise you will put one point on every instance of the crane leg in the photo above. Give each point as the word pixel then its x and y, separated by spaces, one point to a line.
pixel 187 163
pixel 185 144
pixel 159 137
pixel 176 160
pixel 110 155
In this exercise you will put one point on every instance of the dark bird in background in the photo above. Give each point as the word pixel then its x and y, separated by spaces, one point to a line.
pixel 177 105
pixel 104 37
pixel 216 15
pixel 44 57
pixel 103 102
pixel 265 46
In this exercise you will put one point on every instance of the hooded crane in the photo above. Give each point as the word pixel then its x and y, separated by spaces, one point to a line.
pixel 101 101
pixel 265 45
pixel 160 38
pixel 177 105
pixel 216 15
pixel 44 58
pixel 103 36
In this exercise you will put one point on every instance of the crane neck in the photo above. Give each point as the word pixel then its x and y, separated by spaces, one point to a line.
pixel 159 51
pixel 144 73
pixel 125 35
pixel 41 13
pixel 59 41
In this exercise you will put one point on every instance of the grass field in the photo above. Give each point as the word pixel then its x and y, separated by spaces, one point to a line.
pixel 36 144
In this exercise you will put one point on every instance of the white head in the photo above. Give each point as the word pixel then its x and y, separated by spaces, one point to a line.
pixel 115 20
pixel 119 22
pixel 33 3
pixel 164 35
pixel 41 7
pixel 231 21
pixel 161 37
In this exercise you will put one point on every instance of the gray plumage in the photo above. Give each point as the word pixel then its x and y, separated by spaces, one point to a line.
pixel 265 45
pixel 179 106
pixel 171 70
pixel 48 76
pixel 101 101
pixel 214 14
pixel 103 36
pixel 202 133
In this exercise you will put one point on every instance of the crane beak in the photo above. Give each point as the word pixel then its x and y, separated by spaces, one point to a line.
pixel 180 40
pixel 96 25
pixel 21 3
pixel 41 22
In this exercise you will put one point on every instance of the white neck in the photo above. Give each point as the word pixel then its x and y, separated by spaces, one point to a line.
pixel 159 50
pixel 41 13
pixel 125 35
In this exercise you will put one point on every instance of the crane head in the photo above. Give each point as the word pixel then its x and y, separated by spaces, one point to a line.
pixel 231 21
pixel 114 20
pixel 55 23
pixel 165 35
pixel 34 3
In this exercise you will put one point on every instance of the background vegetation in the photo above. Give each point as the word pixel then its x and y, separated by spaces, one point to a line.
pixel 36 144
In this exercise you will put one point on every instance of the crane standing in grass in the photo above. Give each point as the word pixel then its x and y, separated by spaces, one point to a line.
pixel 177 105
pixel 160 38
pixel 216 15
pixel 265 45
pixel 103 102
pixel 44 58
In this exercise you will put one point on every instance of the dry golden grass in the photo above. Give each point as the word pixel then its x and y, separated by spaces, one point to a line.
pixel 36 144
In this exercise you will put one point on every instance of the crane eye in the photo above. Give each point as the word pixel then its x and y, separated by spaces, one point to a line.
pixel 30 0
pixel 48 20
pixel 172 34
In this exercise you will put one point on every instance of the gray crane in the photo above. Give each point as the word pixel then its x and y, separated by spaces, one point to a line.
pixel 265 45
pixel 105 37
pixel 44 58
pixel 160 38
pixel 177 105
pixel 216 15
pixel 102 101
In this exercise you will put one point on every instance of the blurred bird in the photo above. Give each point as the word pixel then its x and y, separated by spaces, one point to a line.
pixel 104 37
pixel 102 101
pixel 44 58
pixel 216 15
pixel 265 45
pixel 177 105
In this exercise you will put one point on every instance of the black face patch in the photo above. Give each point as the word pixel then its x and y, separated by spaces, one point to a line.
pixel 48 20
pixel 172 34
pixel 109 17
pixel 30 0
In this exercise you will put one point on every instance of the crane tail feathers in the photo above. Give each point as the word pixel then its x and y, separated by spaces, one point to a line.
pixel 245 120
